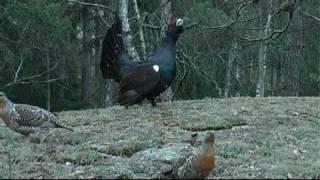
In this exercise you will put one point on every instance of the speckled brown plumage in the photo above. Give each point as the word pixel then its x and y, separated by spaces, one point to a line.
pixel 27 119
pixel 199 164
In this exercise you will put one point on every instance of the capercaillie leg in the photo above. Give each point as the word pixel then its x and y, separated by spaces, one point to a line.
pixel 39 134
pixel 153 102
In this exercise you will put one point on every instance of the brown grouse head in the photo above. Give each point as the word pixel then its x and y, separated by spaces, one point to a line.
pixel 3 103
pixel 3 99
pixel 209 138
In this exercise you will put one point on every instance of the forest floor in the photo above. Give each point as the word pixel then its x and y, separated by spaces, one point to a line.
pixel 273 137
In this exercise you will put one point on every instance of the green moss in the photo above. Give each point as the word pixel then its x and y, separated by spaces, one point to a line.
pixel 124 176
pixel 126 148
pixel 227 124
pixel 76 156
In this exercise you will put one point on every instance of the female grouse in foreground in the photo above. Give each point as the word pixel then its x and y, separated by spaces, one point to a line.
pixel 140 80
pixel 27 119
pixel 198 164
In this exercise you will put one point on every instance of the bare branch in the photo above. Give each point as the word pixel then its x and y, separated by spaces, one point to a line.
pixel 40 74
pixel 238 13
pixel 199 71
pixel 152 27
pixel 192 25
pixel 143 42
pixel 309 15
pixel 92 4
pixel 104 21
pixel 22 43
pixel 18 70
pixel 30 82
pixel 274 35
pixel 288 7
pixel 32 78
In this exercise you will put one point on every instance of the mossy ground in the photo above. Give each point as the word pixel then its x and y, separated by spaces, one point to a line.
pixel 274 137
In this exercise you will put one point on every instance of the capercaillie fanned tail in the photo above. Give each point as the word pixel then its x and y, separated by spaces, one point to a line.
pixel 113 54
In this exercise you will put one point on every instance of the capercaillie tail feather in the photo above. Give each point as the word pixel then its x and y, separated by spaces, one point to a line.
pixel 112 46
pixel 114 57
pixel 64 126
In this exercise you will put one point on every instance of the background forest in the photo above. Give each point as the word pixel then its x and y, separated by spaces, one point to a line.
pixel 50 49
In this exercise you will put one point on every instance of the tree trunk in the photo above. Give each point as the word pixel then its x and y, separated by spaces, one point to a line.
pixel 237 75
pixel 166 14
pixel 290 69
pixel 231 58
pixel 251 76
pixel 274 80
pixel 142 39
pixel 127 38
pixel 62 74
pixel 263 53
pixel 87 59
pixel 48 92
pixel 107 87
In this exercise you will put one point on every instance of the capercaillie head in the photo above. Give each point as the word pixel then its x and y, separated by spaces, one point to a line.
pixel 4 103
pixel 175 28
pixel 209 138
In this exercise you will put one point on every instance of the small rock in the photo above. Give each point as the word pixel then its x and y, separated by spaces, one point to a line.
pixel 296 152
pixel 295 113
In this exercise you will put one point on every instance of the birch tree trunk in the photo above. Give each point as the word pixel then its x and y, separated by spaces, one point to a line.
pixel 231 58
pixel 166 14
pixel 141 34
pixel 263 53
pixel 290 68
pixel 127 38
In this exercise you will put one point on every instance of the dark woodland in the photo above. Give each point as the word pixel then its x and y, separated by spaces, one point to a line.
pixel 51 49
pixel 137 89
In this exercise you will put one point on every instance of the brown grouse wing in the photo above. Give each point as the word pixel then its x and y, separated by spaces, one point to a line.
pixel 31 115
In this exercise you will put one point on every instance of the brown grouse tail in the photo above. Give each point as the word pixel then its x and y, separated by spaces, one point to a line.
pixel 59 124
